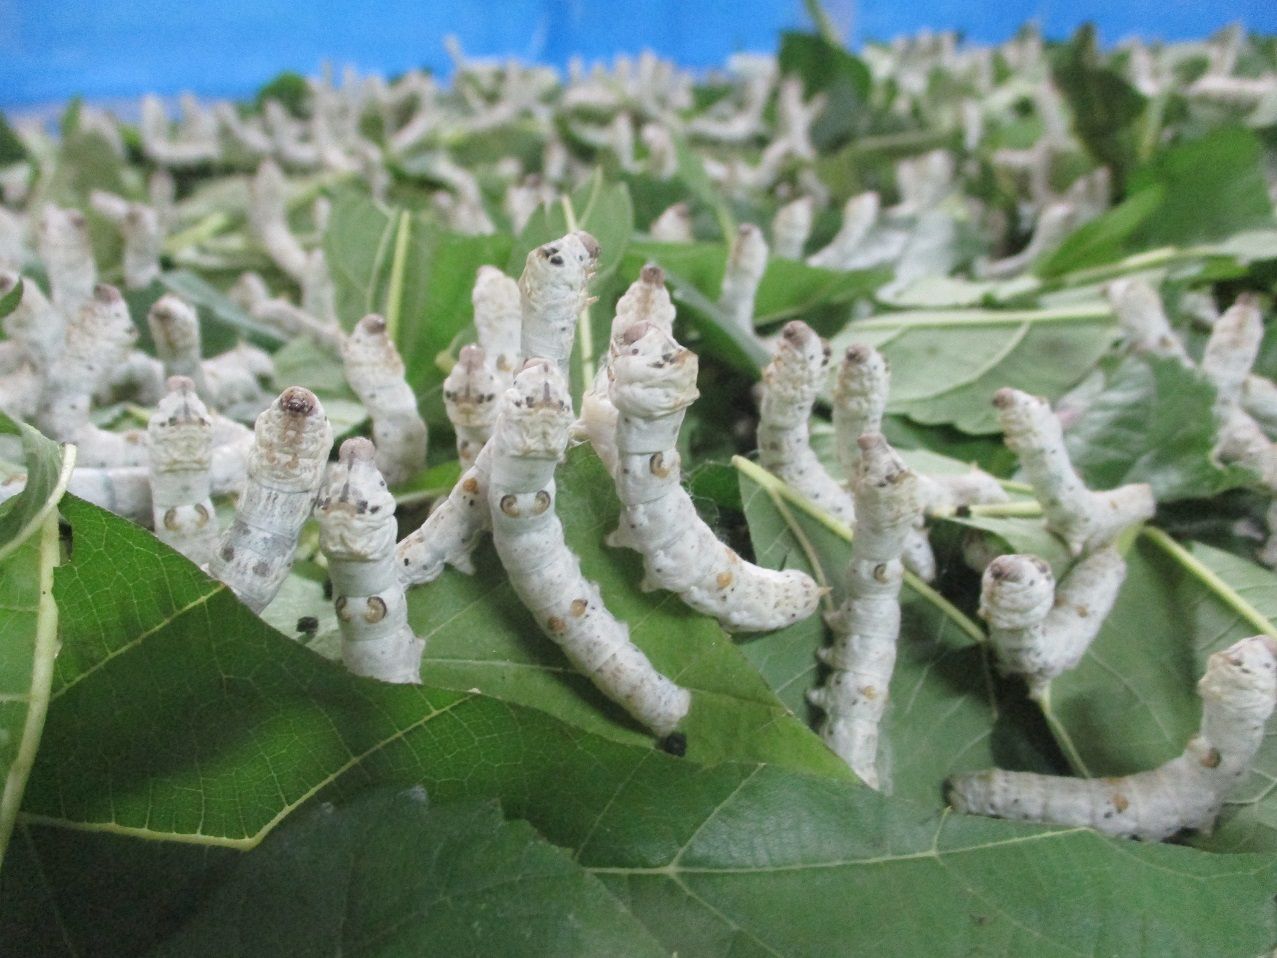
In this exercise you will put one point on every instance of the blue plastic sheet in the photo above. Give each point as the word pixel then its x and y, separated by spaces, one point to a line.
pixel 103 49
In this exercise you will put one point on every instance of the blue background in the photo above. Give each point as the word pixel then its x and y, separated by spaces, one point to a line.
pixel 50 50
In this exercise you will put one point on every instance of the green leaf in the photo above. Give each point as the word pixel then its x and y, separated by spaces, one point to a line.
pixel 388 874
pixel 1153 423
pixel 12 149
pixel 28 615
pixel 291 90
pixel 400 264
pixel 1106 109
pixel 480 637
pixel 1132 702
pixel 1103 239
pixel 828 68
pixel 10 300
pixel 946 365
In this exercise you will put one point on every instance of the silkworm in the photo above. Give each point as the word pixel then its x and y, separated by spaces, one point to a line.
pixel 674 225
pixel 1039 631
pixel 791 228
pixel 67 254
pixel 376 374
pixel 357 530
pixel 530 438
pixel 470 394
pixel 867 624
pixel 1238 692
pixel 1085 520
pixel 553 291
pixel 746 263
pixel 181 451
pixel 268 218
pixel 498 319
pixel 451 532
pixel 291 441
pixel 654 381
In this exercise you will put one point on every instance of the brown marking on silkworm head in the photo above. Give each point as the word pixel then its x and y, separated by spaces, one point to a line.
pixel 591 245
pixel 652 275
pixel 373 325
pixel 357 449
pixel 1004 398
pixel 297 401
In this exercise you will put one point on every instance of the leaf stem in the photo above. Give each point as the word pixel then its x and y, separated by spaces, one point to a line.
pixel 778 488
pixel 584 331
pixel 1062 737
pixel 398 267
pixel 824 26
pixel 1223 591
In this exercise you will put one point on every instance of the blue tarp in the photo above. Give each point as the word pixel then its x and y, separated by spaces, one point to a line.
pixel 103 49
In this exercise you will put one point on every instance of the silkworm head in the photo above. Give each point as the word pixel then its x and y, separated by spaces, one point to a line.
pixel 471 389
pixel 180 429
pixel 174 324
pixel 536 412
pixel 369 354
pixel 863 374
pixel 798 368
pixel 1243 677
pixel 652 375
pixel 1016 591
pixel 356 511
pixel 646 300
pixel 292 438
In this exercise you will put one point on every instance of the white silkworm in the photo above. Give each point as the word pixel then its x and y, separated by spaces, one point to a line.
pixel 291 441
pixel 746 263
pixel 63 242
pixel 530 438
pixel 859 216
pixel 470 394
pixel 1085 520
pixel 1037 630
pixel 252 294
pixel 175 329
pixel 451 532
pixel 943 494
pixel 553 292
pixel 859 401
pixel 645 300
pixel 1238 693
pixel 98 341
pixel 376 374
pixel 268 217
pixel 498 319
pixel 1232 348
pixel 792 227
pixel 181 451
pixel 1143 321
pixel 38 329
pixel 867 624
pixel 654 381
pixel 357 532
pixel 790 385
pixel 674 225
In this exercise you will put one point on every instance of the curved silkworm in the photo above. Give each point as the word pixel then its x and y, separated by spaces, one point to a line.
pixel 1238 693
pixel 654 381
pixel 867 624
pixel 531 436
pixel 1085 520
pixel 746 263
pixel 1037 630
pixel 357 530
pixel 376 374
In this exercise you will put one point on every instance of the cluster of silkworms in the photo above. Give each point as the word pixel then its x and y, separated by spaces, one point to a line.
pixel 221 425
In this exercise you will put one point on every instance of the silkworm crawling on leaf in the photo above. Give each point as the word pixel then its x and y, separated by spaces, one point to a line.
pixel 470 394
pixel 376 374
pixel 746 263
pixel 674 225
pixel 181 448
pixel 291 441
pixel 654 381
pixel 553 291
pixel 498 319
pixel 1040 631
pixel 357 530
pixel 1085 520
pixel 1143 320
pixel 451 531
pixel 1238 693
pixel 790 385
pixel 143 233
pixel 867 624
pixel 791 227
pixel 531 436
pixel 646 300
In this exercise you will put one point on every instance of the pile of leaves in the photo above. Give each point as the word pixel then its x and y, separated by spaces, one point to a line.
pixel 184 778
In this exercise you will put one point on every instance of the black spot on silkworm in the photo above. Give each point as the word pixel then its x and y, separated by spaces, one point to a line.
pixel 328 586
pixel 308 625
pixel 962 512
pixel 261 569
pixel 556 260
pixel 228 553
pixel 675 744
